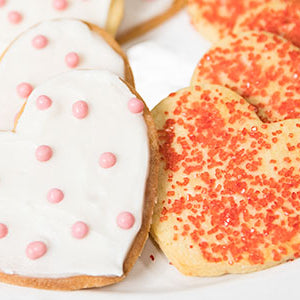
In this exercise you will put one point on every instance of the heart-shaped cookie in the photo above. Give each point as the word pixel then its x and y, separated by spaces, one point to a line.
pixel 229 184
pixel 261 67
pixel 280 17
pixel 78 184
pixel 215 19
pixel 16 16
pixel 50 48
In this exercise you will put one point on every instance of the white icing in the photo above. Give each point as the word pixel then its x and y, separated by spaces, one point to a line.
pixel 23 63
pixel 92 194
pixel 139 11
pixel 36 11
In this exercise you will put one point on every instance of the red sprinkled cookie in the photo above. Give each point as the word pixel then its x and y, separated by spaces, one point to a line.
pixel 216 18
pixel 262 67
pixel 278 16
pixel 229 184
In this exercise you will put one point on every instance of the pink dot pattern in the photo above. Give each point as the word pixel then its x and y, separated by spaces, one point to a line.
pixel 39 42
pixel 43 153
pixel 107 160
pixel 125 220
pixel 36 250
pixel 24 89
pixel 60 4
pixel 80 230
pixel 14 17
pixel 55 196
pixel 3 230
pixel 80 109
pixel 72 60
pixel 43 102
pixel 135 105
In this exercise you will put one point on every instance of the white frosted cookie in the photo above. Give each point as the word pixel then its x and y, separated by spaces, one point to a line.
pixel 228 196
pixel 50 48
pixel 141 16
pixel 78 183
pixel 16 16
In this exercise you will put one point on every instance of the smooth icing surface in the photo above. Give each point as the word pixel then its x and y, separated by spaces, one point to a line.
pixel 24 64
pixel 16 16
pixel 92 196
pixel 139 11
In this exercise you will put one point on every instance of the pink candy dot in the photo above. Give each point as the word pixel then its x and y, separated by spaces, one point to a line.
pixel 39 42
pixel 43 153
pixel 55 196
pixel 36 250
pixel 125 220
pixel 80 230
pixel 80 109
pixel 107 160
pixel 72 60
pixel 14 17
pixel 135 105
pixel 2 3
pixel 43 102
pixel 24 89
pixel 3 230
pixel 60 4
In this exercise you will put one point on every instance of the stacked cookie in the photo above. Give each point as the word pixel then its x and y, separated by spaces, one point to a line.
pixel 79 179
pixel 217 19
pixel 73 128
pixel 229 171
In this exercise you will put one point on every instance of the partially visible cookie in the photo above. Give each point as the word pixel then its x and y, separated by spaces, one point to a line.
pixel 16 16
pixel 142 16
pixel 50 48
pixel 228 198
pixel 278 16
pixel 262 67
pixel 215 19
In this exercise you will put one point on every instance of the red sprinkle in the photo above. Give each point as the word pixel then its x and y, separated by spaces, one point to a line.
pixel 283 20
pixel 242 63
pixel 234 211
pixel 222 14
